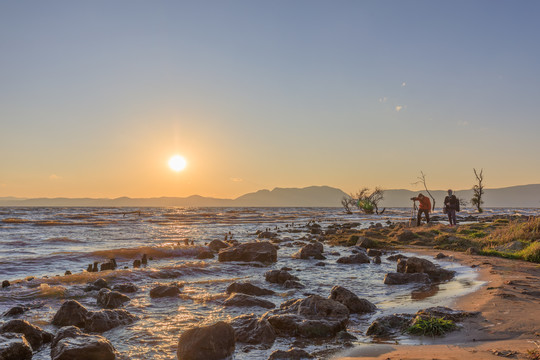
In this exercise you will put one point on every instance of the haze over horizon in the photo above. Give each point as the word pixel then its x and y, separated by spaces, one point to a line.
pixel 96 97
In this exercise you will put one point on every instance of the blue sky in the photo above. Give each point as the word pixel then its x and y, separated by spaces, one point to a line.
pixel 95 96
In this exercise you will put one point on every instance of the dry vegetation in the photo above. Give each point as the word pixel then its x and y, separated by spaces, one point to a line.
pixel 516 238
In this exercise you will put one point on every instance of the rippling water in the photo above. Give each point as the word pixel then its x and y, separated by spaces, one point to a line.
pixel 45 242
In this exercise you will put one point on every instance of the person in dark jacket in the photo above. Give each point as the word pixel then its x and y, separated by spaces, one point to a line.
pixel 424 206
pixel 451 206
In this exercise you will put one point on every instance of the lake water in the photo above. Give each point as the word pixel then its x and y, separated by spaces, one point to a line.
pixel 45 242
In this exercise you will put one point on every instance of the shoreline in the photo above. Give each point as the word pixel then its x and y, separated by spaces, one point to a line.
pixel 507 325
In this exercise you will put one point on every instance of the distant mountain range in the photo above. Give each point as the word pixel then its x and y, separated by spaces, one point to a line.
pixel 313 196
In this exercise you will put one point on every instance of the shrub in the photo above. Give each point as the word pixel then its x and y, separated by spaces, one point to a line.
pixel 431 326
pixel 531 252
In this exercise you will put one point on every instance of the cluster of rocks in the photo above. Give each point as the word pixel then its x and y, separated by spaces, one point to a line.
pixel 417 270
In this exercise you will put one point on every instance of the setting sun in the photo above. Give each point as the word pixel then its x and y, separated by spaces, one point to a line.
pixel 177 163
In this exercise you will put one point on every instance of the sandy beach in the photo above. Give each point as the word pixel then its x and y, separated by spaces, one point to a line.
pixel 507 327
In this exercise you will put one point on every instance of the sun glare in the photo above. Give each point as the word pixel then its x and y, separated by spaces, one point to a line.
pixel 177 163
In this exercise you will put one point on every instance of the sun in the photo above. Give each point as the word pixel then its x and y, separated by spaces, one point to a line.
pixel 177 163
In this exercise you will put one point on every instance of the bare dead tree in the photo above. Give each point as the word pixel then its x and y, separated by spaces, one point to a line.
pixel 347 202
pixel 422 180
pixel 478 190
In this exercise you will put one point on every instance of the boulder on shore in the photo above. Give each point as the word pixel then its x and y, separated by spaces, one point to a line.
pixel 418 265
pixel 214 342
pixel 389 325
pixel 360 258
pixel 351 301
pixel 71 343
pixel 261 251
pixel 291 354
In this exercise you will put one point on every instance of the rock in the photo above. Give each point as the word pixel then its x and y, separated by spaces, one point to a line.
pixel 214 342
pixel 110 265
pixel 97 285
pixel 472 251
pixel 16 310
pixel 320 263
pixel 32 333
pixel 267 235
pixel 315 306
pixel 262 251
pixel 440 256
pixel 247 300
pixel 136 264
pixel 365 242
pixel 279 276
pixel 293 284
pixel 389 325
pixel 395 278
pixel 311 250
pixel 446 313
pixel 419 265
pixel 359 258
pixel 67 273
pixel 291 354
pixel 125 288
pixel 351 301
pixel 111 299
pixel 252 330
pixel 205 254
pixel 70 313
pixel 345 336
pixel 396 257
pixel 377 260
pixel 164 291
pixel 103 320
pixel 406 235
pixel 71 343
pixel 216 245
pixel 249 289
pixel 144 260
pixel 14 347
pixel 5 284
pixel 374 252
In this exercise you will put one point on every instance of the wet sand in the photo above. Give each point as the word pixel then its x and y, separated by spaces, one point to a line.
pixel 508 326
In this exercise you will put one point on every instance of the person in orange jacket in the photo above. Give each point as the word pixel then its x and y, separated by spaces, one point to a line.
pixel 423 207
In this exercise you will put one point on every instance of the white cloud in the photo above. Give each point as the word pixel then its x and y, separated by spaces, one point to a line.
pixel 236 180
pixel 403 84
pixel 399 108
pixel 54 177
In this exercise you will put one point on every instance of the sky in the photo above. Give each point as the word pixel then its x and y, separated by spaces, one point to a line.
pixel 96 96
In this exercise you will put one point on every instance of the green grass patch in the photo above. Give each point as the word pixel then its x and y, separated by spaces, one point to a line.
pixel 531 253
pixel 497 253
pixel 432 326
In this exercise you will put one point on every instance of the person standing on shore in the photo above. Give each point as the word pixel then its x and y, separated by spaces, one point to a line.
pixel 451 206
pixel 424 206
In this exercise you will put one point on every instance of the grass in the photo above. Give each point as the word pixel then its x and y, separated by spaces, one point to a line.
pixel 432 326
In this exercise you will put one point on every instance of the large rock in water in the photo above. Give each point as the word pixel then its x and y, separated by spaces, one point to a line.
pixel 312 317
pixel 279 276
pixel 111 299
pixel 395 278
pixel 164 291
pixel 311 250
pixel 216 245
pixel 252 330
pixel 389 325
pixel 71 343
pixel 70 313
pixel 419 265
pixel 103 320
pixel 262 251
pixel 248 288
pixel 247 300
pixel 35 335
pixel 360 258
pixel 351 301
pixel 291 354
pixel 214 342
pixel 14 347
